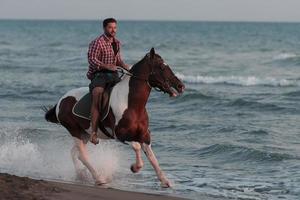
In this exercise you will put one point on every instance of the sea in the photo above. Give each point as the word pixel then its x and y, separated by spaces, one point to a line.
pixel 233 134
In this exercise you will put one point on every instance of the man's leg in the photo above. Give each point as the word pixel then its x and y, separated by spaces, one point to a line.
pixel 96 100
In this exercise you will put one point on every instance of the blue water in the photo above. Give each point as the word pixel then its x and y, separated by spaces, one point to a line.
pixel 234 133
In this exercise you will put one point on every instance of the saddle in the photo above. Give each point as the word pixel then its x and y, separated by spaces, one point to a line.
pixel 83 107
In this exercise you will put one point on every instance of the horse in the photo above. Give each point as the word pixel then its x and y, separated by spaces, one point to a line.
pixel 127 117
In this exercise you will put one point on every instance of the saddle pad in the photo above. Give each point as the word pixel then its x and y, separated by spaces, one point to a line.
pixel 83 107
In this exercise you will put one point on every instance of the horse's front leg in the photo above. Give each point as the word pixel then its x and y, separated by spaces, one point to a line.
pixel 137 166
pixel 152 158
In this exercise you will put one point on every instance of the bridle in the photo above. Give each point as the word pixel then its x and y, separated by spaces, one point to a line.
pixel 128 73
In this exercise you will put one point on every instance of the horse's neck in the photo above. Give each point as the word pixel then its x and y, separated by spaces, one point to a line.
pixel 141 69
pixel 132 94
pixel 139 86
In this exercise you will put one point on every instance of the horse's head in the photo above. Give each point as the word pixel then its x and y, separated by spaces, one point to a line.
pixel 162 77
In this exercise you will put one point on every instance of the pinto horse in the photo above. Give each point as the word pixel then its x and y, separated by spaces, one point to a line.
pixel 127 118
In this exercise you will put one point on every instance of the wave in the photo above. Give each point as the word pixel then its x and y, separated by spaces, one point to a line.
pixel 285 56
pixel 27 94
pixel 4 43
pixel 239 80
pixel 256 132
pixel 293 94
pixel 193 96
pixel 54 44
pixel 255 105
pixel 230 152
pixel 287 59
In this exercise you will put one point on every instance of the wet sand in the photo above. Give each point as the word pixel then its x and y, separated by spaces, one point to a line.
pixel 14 187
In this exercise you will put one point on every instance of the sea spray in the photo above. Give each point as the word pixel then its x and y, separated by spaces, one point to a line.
pixel 52 159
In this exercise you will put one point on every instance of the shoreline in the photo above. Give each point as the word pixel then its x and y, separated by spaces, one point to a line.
pixel 16 187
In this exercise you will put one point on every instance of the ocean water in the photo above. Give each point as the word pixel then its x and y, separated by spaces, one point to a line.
pixel 233 134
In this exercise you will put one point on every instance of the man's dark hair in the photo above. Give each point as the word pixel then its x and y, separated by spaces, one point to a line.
pixel 108 20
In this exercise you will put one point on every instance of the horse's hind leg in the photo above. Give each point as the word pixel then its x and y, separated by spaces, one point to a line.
pixel 137 166
pixel 84 158
pixel 154 162
pixel 80 172
pixel 74 155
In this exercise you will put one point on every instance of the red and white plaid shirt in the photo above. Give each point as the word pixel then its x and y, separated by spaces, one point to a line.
pixel 101 52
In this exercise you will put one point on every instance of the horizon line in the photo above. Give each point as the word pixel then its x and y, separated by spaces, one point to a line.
pixel 150 20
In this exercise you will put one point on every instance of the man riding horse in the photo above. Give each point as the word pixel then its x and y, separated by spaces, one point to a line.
pixel 127 117
pixel 103 57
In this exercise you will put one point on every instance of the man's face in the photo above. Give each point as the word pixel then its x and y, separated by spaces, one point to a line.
pixel 111 29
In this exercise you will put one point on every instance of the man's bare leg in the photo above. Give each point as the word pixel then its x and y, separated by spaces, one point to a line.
pixel 96 99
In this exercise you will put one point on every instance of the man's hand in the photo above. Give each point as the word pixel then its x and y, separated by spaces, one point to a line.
pixel 114 67
pixel 109 67
pixel 126 66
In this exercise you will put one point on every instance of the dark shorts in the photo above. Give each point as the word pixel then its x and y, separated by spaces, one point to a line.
pixel 104 79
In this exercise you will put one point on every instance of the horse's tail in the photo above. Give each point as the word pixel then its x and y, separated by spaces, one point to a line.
pixel 50 114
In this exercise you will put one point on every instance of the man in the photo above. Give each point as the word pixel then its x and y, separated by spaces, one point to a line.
pixel 103 57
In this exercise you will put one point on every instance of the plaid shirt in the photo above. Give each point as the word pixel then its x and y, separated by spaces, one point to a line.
pixel 101 52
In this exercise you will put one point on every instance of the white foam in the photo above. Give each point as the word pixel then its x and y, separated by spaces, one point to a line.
pixel 238 80
pixel 20 157
pixel 284 56
pixel 51 158
pixel 106 157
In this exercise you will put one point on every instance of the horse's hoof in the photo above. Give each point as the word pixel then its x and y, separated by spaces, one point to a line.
pixel 134 168
pixel 94 139
pixel 100 182
pixel 82 175
pixel 166 184
pixel 102 185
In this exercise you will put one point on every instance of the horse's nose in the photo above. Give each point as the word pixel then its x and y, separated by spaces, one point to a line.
pixel 180 87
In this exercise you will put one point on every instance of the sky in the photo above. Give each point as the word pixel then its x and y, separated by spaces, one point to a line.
pixel 177 10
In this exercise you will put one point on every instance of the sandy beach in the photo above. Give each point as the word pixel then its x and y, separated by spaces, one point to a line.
pixel 15 187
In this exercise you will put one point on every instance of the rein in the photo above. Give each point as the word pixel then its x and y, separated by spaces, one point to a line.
pixel 128 73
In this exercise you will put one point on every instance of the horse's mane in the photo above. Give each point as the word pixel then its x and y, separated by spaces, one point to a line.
pixel 136 65
pixel 146 57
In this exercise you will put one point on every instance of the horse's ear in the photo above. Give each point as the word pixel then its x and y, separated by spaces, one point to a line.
pixel 152 53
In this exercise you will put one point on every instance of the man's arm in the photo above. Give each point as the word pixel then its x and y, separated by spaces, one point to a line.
pixel 93 54
pixel 122 64
pixel 120 61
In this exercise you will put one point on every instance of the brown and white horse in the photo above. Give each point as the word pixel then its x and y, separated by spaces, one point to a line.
pixel 127 118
